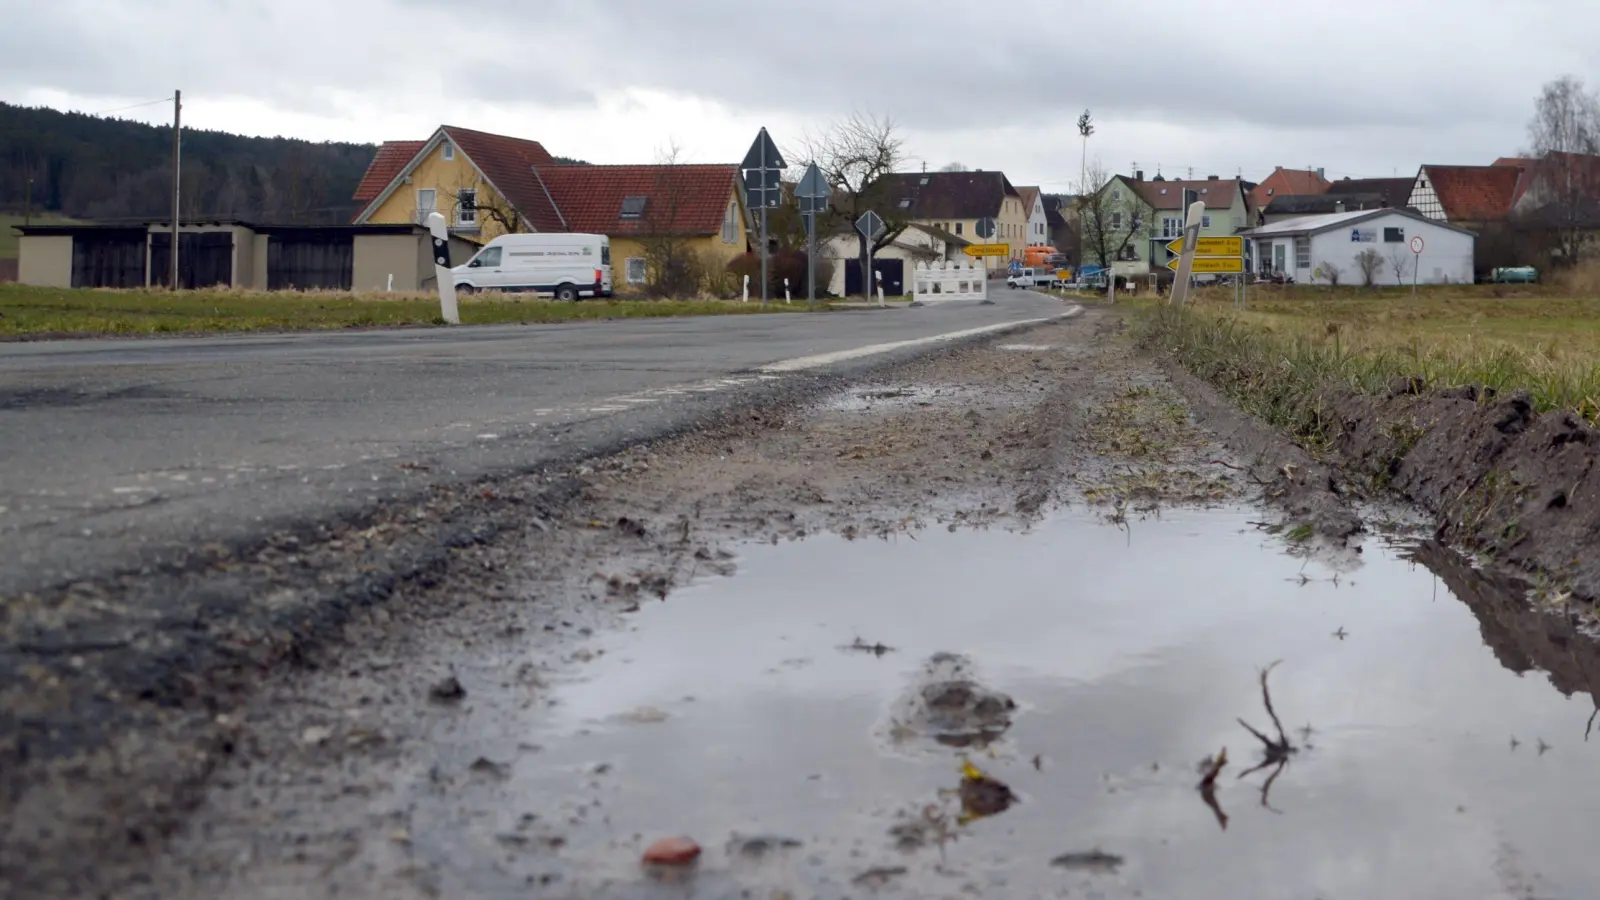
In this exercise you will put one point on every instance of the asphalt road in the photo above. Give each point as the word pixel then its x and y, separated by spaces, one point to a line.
pixel 119 454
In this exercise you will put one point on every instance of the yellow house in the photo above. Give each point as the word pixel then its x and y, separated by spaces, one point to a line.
pixel 486 185
pixel 955 201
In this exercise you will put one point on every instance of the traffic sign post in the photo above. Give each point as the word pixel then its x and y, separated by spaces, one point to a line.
pixel 812 192
pixel 763 186
pixel 986 228
pixel 1417 243
pixel 870 226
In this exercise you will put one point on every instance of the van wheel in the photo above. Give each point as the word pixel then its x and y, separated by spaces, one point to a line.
pixel 567 293
pixel 466 289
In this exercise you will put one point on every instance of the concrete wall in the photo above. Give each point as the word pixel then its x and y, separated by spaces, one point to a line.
pixel 408 257
pixel 1446 258
pixel 45 260
pixel 258 261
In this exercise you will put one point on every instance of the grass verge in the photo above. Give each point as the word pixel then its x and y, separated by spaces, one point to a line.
pixel 1274 359
pixel 26 310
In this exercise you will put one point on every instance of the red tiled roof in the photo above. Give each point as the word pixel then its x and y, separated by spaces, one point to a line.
pixel 685 199
pixel 1297 182
pixel 1475 193
pixel 390 159
pixel 508 163
pixel 1168 193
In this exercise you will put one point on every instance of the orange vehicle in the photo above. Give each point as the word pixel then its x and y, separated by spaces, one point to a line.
pixel 1038 256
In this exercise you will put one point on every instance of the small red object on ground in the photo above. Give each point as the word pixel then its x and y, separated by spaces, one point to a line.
pixel 672 851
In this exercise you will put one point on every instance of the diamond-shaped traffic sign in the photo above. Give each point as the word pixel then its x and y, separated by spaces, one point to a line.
pixel 870 225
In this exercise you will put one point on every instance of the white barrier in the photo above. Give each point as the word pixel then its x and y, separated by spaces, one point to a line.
pixel 945 280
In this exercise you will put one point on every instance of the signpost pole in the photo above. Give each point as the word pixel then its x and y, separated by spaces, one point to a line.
pixel 1416 262
pixel 763 251
pixel 811 259
pixel 866 277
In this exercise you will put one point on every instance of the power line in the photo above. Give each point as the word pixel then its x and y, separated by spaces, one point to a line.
pixel 134 106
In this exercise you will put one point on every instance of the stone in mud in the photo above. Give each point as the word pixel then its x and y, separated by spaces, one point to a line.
pixel 1092 861
pixel 948 705
pixel 672 851
pixel 448 691
pixel 760 846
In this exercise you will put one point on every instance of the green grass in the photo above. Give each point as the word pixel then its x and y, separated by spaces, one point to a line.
pixel 8 235
pixel 41 311
pixel 1274 358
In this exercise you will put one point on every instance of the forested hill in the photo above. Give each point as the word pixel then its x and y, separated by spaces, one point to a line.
pixel 110 169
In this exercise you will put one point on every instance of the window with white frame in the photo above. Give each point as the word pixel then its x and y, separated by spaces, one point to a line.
pixel 730 224
pixel 1171 227
pixel 635 266
pixel 1302 253
pixel 427 202
pixel 467 207
pixel 1116 220
pixel 448 151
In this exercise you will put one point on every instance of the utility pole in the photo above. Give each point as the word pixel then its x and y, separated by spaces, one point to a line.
pixel 177 156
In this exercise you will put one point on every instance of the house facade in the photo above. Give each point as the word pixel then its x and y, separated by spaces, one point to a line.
pixel 954 202
pixel 1467 195
pixel 1118 218
pixel 917 243
pixel 486 185
pixel 1038 228
pixel 1157 206
pixel 1323 248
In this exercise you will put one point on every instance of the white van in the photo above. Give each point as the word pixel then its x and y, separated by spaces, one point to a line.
pixel 565 266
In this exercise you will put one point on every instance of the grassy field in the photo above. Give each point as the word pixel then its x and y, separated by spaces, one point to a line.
pixel 1292 341
pixel 43 311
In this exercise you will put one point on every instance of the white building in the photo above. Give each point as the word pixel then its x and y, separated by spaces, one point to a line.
pixel 1321 249
pixel 1038 223
pixel 917 243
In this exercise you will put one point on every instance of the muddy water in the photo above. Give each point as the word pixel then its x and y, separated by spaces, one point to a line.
pixel 1423 767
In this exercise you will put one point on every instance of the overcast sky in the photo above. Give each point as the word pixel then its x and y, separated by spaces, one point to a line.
pixel 1359 87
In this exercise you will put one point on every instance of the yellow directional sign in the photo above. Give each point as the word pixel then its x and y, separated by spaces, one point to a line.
pixel 1064 274
pixel 1210 265
pixel 1212 246
pixel 981 250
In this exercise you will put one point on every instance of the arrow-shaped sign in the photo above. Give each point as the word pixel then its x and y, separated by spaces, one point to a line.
pixel 1211 246
pixel 1210 265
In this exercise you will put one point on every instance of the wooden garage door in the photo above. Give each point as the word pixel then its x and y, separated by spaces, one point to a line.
pixel 205 259
pixel 109 259
pixel 317 262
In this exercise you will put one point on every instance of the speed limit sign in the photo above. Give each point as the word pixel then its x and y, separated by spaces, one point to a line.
pixel 1416 245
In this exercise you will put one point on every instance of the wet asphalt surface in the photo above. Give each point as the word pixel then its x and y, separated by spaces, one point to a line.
pixel 747 709
pixel 122 453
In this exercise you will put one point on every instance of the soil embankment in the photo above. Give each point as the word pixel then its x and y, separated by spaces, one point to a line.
pixel 1514 484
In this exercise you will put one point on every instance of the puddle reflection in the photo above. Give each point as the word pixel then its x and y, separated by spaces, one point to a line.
pixel 1393 752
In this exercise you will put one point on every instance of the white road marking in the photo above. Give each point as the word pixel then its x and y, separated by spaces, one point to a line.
pixel 828 359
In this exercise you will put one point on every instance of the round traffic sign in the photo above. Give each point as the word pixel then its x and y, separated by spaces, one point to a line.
pixel 1416 244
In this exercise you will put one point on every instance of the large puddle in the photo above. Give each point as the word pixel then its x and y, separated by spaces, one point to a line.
pixel 1431 758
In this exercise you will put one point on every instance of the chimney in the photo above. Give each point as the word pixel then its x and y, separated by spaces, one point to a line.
pixel 1320 174
pixel 1138 174
pixel 1211 178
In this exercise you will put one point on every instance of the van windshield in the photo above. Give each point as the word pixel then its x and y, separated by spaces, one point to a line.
pixel 605 254
pixel 489 257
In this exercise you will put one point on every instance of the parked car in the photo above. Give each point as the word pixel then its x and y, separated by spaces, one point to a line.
pixel 565 266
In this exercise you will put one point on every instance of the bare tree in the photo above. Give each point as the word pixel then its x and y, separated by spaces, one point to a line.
pixel 1565 131
pixel 1110 217
pixel 1369 263
pixel 858 158
pixel 673 268
pixel 470 201
pixel 1398 259
pixel 1328 271
pixel 955 167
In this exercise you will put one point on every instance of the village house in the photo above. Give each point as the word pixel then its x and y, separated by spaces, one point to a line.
pixel 1038 228
pixel 1353 247
pixel 917 243
pixel 1287 182
pixel 487 185
pixel 954 202
pixel 1157 206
